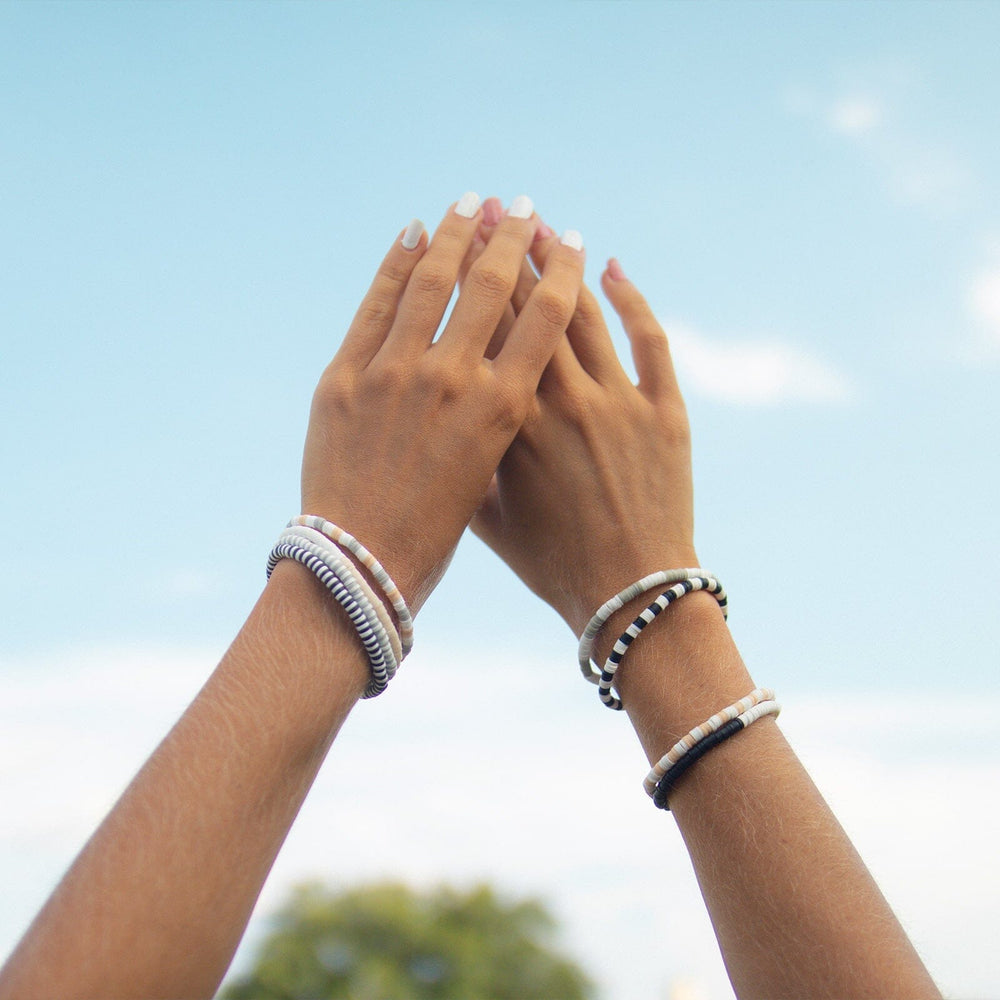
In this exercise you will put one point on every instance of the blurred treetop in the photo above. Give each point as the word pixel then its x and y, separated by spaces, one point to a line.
pixel 390 942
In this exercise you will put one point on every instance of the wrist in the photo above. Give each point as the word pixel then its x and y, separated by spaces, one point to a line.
pixel 301 615
pixel 683 669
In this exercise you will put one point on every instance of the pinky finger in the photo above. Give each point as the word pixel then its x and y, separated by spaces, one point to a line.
pixel 650 350
pixel 377 311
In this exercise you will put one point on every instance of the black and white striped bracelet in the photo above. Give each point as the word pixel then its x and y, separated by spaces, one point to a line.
pixel 675 593
pixel 609 607
pixel 365 621
pixel 373 609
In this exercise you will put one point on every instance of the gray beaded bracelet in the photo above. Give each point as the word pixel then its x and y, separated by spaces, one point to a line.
pixel 370 605
pixel 312 559
pixel 621 647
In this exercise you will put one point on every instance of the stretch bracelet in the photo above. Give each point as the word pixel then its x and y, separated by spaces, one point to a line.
pixel 621 646
pixel 348 575
pixel 683 745
pixel 609 607
pixel 669 780
pixel 391 591
pixel 297 550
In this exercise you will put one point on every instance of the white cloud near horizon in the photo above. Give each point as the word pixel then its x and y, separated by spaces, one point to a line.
pixel 509 770
pixel 760 372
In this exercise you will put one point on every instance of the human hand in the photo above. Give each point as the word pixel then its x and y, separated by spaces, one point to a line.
pixel 595 491
pixel 406 431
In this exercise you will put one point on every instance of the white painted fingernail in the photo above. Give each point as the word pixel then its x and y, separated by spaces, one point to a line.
pixel 412 235
pixel 522 207
pixel 467 205
pixel 571 238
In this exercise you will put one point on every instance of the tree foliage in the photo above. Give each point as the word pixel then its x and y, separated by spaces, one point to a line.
pixel 389 942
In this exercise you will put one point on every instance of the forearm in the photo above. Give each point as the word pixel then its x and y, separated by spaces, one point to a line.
pixel 794 908
pixel 156 902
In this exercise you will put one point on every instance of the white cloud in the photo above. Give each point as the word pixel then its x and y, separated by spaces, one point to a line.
pixel 917 171
pixel 855 116
pixel 983 301
pixel 509 770
pixel 759 372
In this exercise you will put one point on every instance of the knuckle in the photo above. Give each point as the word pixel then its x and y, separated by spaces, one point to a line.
pixel 441 382
pixel 491 281
pixel 432 281
pixel 394 271
pixel 334 392
pixel 555 308
pixel 511 406
pixel 387 378
pixel 376 312
pixel 676 428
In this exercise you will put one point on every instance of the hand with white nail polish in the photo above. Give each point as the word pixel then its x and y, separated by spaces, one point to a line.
pixel 595 491
pixel 407 430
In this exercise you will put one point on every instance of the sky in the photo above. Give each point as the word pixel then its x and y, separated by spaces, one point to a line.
pixel 193 198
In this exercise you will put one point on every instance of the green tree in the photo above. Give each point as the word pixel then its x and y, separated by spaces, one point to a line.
pixel 388 942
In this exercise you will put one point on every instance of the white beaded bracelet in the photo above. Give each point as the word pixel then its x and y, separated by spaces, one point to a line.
pixel 673 774
pixel 609 607
pixel 681 747
pixel 391 591
pixel 348 575
pixel 296 549
pixel 692 583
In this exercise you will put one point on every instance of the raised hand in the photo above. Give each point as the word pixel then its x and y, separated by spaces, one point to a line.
pixel 407 430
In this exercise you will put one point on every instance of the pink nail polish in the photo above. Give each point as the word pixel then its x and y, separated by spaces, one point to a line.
pixel 543 232
pixel 492 211
pixel 615 272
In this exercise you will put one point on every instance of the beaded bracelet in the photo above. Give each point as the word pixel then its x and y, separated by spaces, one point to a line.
pixel 391 591
pixel 621 646
pixel 667 783
pixel 298 552
pixel 609 607
pixel 345 570
pixel 683 745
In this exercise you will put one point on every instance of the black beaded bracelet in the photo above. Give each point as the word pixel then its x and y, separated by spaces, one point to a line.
pixel 666 784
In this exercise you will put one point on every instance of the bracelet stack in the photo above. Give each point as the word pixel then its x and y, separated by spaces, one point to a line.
pixel 313 542
pixel 684 582
pixel 666 772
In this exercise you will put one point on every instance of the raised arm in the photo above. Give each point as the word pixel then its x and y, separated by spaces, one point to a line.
pixel 594 494
pixel 404 436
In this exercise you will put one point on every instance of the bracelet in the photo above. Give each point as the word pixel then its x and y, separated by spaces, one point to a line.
pixel 312 558
pixel 675 593
pixel 666 784
pixel 346 572
pixel 683 745
pixel 391 591
pixel 608 608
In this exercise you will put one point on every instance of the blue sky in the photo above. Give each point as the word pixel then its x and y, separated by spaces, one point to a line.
pixel 193 198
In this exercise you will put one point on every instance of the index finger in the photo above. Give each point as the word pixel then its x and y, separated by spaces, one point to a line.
pixel 533 338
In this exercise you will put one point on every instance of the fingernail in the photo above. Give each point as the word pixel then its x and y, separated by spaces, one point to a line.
pixel 522 207
pixel 412 235
pixel 543 232
pixel 467 205
pixel 492 211
pixel 615 272
pixel 571 238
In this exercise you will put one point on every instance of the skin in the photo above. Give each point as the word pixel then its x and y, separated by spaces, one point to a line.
pixel 520 418
pixel 595 493
pixel 175 868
